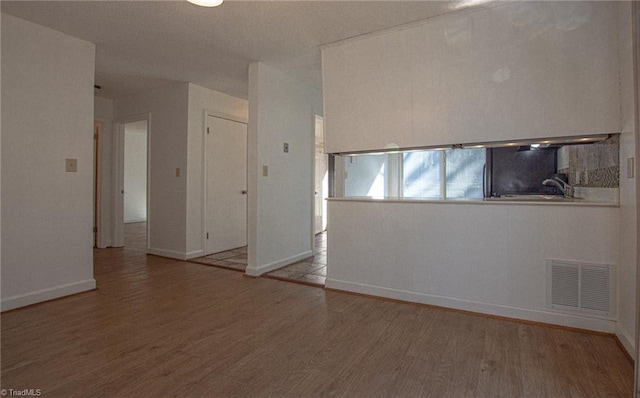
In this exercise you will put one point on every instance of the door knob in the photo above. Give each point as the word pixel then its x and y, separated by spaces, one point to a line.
pixel 244 191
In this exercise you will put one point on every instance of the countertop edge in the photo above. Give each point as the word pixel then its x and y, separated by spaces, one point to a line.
pixel 582 203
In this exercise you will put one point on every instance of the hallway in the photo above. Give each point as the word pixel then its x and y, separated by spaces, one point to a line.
pixel 135 236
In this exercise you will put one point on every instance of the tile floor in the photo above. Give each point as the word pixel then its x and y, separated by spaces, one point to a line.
pixel 310 271
pixel 235 259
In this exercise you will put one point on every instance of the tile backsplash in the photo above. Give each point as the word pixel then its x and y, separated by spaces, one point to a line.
pixel 592 165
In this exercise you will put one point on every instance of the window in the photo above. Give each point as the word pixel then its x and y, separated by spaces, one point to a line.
pixel 366 175
pixel 484 170
pixel 465 173
pixel 424 174
pixel 421 174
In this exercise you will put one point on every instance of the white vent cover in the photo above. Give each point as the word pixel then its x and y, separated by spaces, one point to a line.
pixel 581 287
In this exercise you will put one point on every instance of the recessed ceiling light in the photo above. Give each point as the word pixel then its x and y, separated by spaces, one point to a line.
pixel 206 3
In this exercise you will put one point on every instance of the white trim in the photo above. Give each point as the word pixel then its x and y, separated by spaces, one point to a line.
pixel 118 185
pixel 262 269
pixel 105 230
pixel 51 293
pixel 175 254
pixel 226 116
pixel 167 253
pixel 203 204
pixel 135 221
pixel 97 183
pixel 195 254
pixel 313 180
pixel 626 340
pixel 588 323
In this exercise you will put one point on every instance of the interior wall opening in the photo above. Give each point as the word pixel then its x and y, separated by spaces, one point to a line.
pixel 135 184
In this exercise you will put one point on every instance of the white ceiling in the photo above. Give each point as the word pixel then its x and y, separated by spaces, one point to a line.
pixel 145 44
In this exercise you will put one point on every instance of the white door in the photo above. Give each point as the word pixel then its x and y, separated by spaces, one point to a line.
pixel 226 184
pixel 321 178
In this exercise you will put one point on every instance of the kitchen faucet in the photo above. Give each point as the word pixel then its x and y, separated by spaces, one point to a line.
pixel 557 182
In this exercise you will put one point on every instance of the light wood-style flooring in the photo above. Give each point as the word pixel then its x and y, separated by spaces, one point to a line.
pixel 156 327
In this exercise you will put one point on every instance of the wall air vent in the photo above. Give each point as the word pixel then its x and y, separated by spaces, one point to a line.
pixel 580 287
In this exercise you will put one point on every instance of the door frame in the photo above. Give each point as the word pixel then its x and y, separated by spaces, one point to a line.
pixel 98 126
pixel 205 121
pixel 313 177
pixel 118 176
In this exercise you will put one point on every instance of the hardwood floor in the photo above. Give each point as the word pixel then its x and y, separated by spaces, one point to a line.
pixel 162 328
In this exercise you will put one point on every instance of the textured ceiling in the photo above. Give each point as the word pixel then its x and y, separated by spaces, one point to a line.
pixel 145 44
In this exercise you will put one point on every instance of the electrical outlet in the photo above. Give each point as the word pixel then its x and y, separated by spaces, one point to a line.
pixel 71 165
pixel 286 148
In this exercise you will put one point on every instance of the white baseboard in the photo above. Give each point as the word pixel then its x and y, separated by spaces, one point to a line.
pixel 568 320
pixel 167 253
pixel 257 271
pixel 135 220
pixel 626 340
pixel 195 254
pixel 39 296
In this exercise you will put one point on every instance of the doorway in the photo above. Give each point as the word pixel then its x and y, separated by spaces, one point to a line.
pixel 225 226
pixel 135 185
pixel 321 178
pixel 131 221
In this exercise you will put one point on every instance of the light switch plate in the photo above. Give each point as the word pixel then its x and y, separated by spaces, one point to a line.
pixel 286 147
pixel 177 171
pixel 631 167
pixel 265 171
pixel 71 165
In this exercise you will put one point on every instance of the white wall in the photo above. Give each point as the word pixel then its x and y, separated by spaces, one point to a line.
pixel 47 117
pixel 627 277
pixel 281 110
pixel 177 114
pixel 494 264
pixel 167 107
pixel 103 112
pixel 201 101
pixel 483 257
pixel 135 171
pixel 520 70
